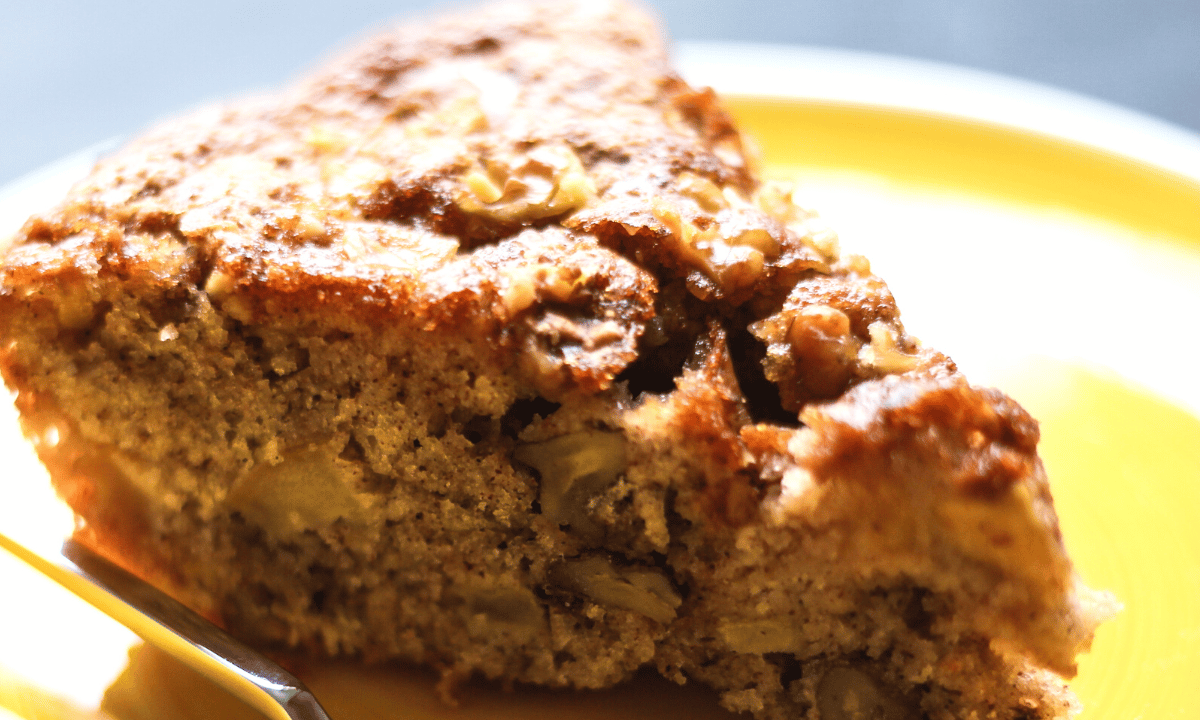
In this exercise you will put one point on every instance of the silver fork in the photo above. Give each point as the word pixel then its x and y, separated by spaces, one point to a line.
pixel 246 672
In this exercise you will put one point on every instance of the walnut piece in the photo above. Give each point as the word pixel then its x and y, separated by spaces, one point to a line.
pixel 643 590
pixel 550 180
pixel 575 468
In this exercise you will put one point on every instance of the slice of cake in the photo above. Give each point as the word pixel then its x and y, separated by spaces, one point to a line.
pixel 486 348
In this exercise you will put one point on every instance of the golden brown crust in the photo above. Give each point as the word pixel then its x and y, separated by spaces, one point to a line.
pixel 987 439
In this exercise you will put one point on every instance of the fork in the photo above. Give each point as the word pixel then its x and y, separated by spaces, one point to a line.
pixel 167 623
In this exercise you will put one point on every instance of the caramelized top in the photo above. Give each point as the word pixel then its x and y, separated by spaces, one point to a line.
pixel 533 173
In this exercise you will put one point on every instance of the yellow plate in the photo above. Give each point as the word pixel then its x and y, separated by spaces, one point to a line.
pixel 1050 244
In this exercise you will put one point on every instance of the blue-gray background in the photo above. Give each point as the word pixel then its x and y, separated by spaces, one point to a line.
pixel 76 72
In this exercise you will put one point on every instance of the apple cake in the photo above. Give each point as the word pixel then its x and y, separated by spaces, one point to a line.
pixel 485 347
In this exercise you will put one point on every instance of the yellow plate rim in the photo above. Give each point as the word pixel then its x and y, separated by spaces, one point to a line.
pixel 847 77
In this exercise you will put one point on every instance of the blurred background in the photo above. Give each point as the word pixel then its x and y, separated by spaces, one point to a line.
pixel 73 73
